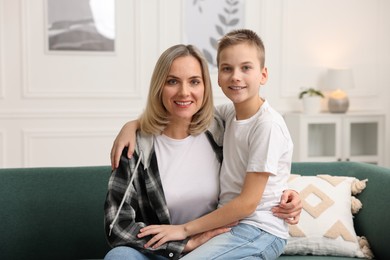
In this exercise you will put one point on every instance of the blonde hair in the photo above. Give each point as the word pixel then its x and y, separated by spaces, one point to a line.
pixel 242 36
pixel 155 117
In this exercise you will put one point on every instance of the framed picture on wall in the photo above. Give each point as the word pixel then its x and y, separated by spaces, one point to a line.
pixel 67 52
pixel 205 22
pixel 80 25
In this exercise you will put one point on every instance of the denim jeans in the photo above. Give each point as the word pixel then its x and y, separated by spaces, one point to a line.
pixel 127 253
pixel 242 242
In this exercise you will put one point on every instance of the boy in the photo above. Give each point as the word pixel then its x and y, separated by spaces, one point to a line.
pixel 257 150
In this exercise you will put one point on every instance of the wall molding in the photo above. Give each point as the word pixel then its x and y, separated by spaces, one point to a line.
pixel 65 114
pixel 2 22
pixel 29 136
pixel 2 148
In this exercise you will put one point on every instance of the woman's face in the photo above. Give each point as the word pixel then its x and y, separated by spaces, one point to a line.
pixel 183 91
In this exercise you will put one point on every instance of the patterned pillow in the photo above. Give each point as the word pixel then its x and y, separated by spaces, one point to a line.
pixel 326 223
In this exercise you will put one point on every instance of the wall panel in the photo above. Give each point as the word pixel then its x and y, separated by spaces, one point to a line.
pixel 68 74
pixel 1 50
pixel 58 147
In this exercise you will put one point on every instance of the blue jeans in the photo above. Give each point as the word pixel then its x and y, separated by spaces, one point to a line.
pixel 127 253
pixel 242 242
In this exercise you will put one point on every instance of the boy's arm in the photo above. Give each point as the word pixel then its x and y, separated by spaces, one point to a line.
pixel 238 208
pixel 125 138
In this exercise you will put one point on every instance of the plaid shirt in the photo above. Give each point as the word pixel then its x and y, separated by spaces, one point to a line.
pixel 146 203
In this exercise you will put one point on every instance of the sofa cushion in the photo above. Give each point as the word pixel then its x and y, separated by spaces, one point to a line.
pixel 326 224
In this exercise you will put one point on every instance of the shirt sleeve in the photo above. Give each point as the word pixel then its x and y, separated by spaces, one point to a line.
pixel 224 111
pixel 130 220
pixel 266 148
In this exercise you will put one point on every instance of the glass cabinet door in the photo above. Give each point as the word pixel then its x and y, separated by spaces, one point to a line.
pixel 322 140
pixel 363 135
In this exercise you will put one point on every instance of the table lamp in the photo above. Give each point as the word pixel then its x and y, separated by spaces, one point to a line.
pixel 339 80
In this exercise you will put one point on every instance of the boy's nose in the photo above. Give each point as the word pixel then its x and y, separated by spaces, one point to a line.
pixel 236 76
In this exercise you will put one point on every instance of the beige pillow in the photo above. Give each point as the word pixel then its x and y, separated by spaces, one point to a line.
pixel 326 223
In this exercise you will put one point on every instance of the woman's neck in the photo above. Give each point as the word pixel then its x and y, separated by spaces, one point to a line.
pixel 177 130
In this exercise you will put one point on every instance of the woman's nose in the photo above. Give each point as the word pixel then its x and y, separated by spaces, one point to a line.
pixel 184 89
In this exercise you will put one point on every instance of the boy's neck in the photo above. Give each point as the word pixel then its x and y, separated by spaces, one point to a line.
pixel 248 108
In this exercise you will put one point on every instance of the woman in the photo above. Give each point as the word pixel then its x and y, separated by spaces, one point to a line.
pixel 172 177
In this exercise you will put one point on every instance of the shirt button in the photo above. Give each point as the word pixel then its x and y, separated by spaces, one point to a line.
pixel 170 254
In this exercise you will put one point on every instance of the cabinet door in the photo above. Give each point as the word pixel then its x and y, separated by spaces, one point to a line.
pixel 321 139
pixel 363 139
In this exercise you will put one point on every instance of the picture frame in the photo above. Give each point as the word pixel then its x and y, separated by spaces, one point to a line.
pixel 205 22
pixel 80 25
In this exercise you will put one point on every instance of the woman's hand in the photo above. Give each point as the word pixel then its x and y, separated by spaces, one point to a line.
pixel 162 234
pixel 290 207
pixel 165 233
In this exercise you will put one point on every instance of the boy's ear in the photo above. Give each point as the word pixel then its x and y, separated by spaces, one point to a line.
pixel 264 76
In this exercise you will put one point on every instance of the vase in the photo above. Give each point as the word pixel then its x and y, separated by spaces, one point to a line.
pixel 311 104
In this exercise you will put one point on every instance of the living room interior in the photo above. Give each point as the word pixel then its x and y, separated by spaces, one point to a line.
pixel 64 106
pixel 72 72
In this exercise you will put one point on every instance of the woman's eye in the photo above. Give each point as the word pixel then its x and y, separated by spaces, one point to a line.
pixel 171 81
pixel 195 82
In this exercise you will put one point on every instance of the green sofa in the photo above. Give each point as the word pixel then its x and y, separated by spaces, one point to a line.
pixel 57 213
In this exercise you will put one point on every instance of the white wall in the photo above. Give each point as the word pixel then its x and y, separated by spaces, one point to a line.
pixel 65 109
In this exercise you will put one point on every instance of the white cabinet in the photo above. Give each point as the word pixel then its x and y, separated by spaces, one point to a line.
pixel 337 137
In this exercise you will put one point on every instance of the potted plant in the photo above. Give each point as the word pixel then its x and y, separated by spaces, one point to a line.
pixel 311 98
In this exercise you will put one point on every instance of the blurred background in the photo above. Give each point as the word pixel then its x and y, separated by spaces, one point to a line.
pixel 73 72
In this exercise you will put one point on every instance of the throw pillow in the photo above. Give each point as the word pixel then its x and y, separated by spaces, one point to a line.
pixel 326 223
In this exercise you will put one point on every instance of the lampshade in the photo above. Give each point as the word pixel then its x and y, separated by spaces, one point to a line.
pixel 339 80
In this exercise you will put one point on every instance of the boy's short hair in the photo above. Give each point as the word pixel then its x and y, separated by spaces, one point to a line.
pixel 242 36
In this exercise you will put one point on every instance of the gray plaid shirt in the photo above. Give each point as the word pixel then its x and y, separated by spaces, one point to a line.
pixel 146 203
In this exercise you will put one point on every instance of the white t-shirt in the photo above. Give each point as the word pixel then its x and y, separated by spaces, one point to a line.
pixel 261 143
pixel 189 172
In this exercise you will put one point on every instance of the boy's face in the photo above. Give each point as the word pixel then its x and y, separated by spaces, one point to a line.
pixel 240 74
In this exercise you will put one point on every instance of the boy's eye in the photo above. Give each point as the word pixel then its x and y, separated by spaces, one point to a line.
pixel 226 69
pixel 246 67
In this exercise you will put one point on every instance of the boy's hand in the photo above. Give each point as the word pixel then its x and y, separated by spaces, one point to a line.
pixel 290 207
pixel 125 138
pixel 199 239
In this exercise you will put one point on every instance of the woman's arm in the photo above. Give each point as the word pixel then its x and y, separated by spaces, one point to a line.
pixel 238 208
